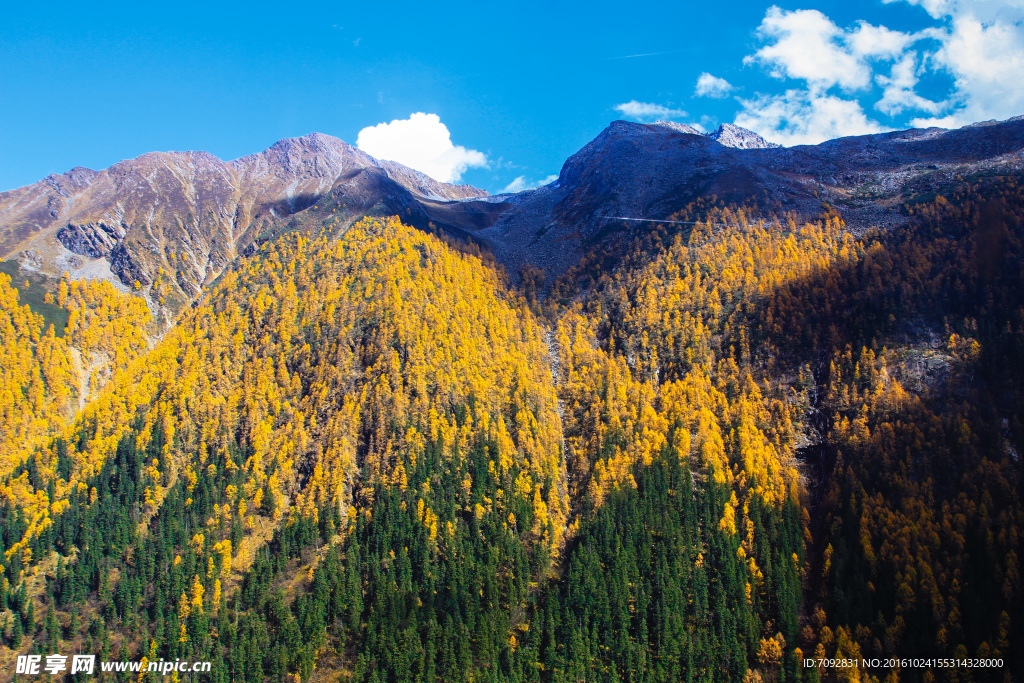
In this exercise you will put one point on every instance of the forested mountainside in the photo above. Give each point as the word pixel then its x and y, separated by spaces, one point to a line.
pixel 47 373
pixel 710 449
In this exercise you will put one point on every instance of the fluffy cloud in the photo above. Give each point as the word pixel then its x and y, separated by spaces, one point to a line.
pixel 983 49
pixel 806 45
pixel 986 11
pixel 421 142
pixel 950 121
pixel 712 86
pixel 979 45
pixel 877 42
pixel 899 94
pixel 647 110
pixel 800 117
pixel 521 183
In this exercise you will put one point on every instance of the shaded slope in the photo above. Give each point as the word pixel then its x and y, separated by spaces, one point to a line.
pixel 651 171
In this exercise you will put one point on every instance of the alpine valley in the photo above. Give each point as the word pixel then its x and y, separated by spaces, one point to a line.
pixel 702 409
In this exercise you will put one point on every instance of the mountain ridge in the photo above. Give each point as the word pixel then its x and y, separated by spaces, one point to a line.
pixel 190 213
pixel 727 135
pixel 650 171
pixel 181 217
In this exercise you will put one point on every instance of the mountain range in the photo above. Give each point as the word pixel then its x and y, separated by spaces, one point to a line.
pixel 191 214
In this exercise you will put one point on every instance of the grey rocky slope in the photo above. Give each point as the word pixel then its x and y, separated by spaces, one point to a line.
pixel 189 214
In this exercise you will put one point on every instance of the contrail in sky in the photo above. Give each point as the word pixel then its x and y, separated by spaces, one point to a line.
pixel 647 54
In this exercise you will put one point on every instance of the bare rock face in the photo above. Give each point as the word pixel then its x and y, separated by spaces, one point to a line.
pixel 92 239
pixel 129 268
pixel 189 214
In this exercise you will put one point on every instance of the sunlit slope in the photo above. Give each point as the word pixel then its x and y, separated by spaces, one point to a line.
pixel 321 369
pixel 36 374
pixel 45 373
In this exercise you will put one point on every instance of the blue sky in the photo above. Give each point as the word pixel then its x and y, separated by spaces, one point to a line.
pixel 492 95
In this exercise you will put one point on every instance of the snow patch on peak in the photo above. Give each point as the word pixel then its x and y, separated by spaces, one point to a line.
pixel 740 138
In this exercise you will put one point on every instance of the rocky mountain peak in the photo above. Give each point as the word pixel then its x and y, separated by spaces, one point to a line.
pixel 311 156
pixel 64 184
pixel 740 138
pixel 632 173
pixel 188 214
pixel 727 135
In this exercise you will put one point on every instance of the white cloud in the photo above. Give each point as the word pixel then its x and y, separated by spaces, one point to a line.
pixel 986 11
pixel 976 45
pixel 936 8
pixel 517 185
pixel 951 121
pixel 423 143
pixel 799 117
pixel 646 110
pixel 712 86
pixel 981 46
pixel 868 41
pixel 899 95
pixel 986 60
pixel 808 46
pixel 521 183
pixel 805 45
